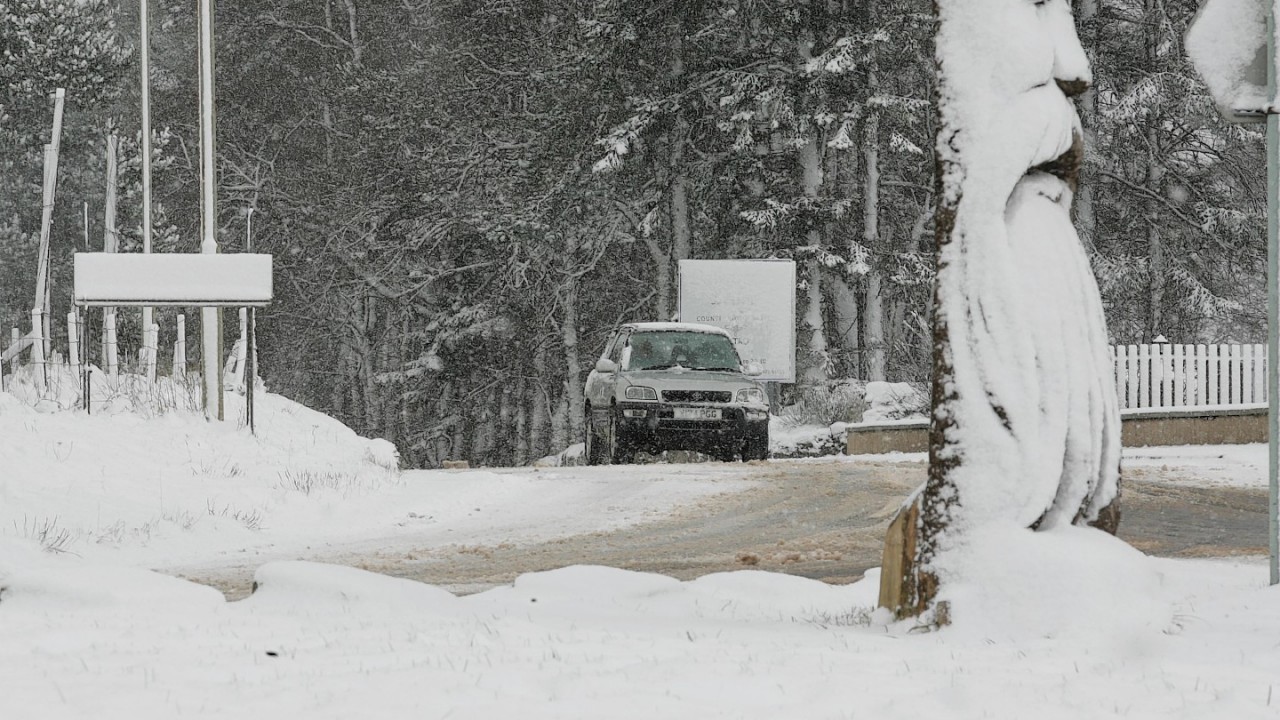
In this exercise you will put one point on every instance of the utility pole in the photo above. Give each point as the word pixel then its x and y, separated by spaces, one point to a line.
pixel 210 318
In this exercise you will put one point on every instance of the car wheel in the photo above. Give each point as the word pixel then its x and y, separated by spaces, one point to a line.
pixel 593 450
pixel 756 447
pixel 620 450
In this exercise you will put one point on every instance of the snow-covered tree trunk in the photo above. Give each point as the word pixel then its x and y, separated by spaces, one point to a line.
pixel 817 358
pixel 560 437
pixel 681 233
pixel 662 274
pixel 1086 208
pixel 844 306
pixel 569 340
pixel 540 404
pixel 815 372
pixel 681 225
pixel 520 453
pixel 876 345
pixel 1025 426
pixel 845 303
pixel 368 364
pixel 1157 267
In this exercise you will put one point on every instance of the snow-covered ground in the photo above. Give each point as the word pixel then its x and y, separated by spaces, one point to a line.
pixel 175 490
pixel 1066 624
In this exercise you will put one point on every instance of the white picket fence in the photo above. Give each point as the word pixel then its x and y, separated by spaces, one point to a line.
pixel 1168 375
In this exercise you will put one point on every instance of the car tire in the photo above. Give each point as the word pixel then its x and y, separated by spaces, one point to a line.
pixel 593 449
pixel 620 450
pixel 756 447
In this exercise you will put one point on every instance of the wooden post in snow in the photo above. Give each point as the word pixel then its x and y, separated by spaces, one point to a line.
pixel 37 348
pixel 180 350
pixel 111 356
pixel 73 341
pixel 151 342
pixel 242 349
pixel 110 241
pixel 40 304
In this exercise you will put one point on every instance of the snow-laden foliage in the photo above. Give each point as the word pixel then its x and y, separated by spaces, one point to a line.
pixel 413 166
pixel 1169 186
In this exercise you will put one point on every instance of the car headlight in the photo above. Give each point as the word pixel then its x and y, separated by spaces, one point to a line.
pixel 640 392
pixel 751 395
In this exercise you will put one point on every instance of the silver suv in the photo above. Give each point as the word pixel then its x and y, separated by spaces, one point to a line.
pixel 669 386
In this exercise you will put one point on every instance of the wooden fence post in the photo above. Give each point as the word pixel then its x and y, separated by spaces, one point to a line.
pixel 150 340
pixel 73 341
pixel 37 348
pixel 111 360
pixel 180 349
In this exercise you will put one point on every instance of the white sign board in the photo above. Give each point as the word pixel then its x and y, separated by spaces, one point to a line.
pixel 1227 45
pixel 202 279
pixel 755 300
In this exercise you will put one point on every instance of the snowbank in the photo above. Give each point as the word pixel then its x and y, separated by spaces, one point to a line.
pixel 1141 638
pixel 135 474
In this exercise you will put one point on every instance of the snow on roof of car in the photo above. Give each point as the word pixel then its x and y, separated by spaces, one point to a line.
pixel 677 327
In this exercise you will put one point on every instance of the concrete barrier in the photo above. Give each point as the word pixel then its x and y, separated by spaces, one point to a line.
pixel 1209 425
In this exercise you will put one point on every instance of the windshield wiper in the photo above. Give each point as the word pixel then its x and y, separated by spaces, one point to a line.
pixel 657 367
pixel 717 369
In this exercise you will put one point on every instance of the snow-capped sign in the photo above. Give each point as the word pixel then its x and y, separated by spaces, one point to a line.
pixel 1227 44
pixel 755 300
pixel 198 279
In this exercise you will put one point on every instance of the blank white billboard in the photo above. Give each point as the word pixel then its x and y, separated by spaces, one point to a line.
pixel 755 300
pixel 204 279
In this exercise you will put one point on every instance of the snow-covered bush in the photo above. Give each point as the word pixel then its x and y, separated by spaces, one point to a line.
pixel 894 401
pixel 822 405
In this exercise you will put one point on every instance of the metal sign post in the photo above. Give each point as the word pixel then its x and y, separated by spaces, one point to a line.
pixel 1273 297
pixel 210 318
pixel 144 57
pixel 251 353
pixel 1232 46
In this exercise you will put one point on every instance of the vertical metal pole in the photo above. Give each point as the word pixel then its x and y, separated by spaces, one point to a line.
pixel 1273 297
pixel 251 355
pixel 86 375
pixel 145 58
pixel 210 329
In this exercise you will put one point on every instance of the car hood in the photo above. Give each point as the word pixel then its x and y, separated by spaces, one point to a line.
pixel 687 379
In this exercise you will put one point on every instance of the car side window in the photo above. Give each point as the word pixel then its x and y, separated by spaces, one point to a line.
pixel 615 350
pixel 609 346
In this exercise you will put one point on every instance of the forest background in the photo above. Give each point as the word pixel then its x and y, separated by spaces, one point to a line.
pixel 464 197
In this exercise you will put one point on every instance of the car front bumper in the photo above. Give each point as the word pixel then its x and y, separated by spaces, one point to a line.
pixel 654 426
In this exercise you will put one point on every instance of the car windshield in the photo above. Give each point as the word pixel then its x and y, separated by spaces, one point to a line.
pixel 691 350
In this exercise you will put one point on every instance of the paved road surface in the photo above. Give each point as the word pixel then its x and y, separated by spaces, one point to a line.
pixel 818 520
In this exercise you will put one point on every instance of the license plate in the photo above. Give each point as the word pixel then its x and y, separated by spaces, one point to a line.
pixel 697 413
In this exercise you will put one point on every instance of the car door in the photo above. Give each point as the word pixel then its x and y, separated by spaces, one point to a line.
pixel 599 386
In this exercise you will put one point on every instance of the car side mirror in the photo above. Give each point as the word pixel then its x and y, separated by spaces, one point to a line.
pixel 752 369
pixel 605 365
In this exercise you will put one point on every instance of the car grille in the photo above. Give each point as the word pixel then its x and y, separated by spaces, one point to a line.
pixel 716 396
pixel 700 426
